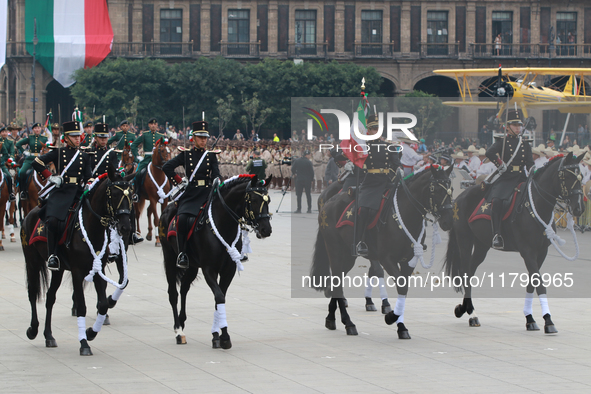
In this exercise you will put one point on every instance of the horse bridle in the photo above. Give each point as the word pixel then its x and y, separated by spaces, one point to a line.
pixel 161 157
pixel 250 218
pixel 434 207
pixel 564 195
pixel 114 211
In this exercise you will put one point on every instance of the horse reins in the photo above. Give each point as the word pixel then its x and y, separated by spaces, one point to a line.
pixel 127 190
pixel 445 184
pixel 251 219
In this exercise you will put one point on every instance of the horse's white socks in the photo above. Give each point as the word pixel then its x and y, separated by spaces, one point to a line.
pixel 527 307
pixel 544 304
pixel 216 325
pixel 399 308
pixel 98 324
pixel 81 327
pixel 116 294
pixel 368 288
pixel 221 309
pixel 383 292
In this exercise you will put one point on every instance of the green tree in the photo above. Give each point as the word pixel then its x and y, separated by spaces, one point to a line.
pixel 429 110
pixel 225 112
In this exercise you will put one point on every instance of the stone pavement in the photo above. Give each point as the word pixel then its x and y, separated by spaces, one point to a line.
pixel 280 343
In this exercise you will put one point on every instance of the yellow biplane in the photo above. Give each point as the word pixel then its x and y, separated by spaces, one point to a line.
pixel 518 87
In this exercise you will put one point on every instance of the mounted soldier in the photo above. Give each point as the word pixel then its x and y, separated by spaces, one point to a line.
pixel 123 137
pixel 514 154
pixel 6 153
pixel 86 140
pixel 201 169
pixel 55 139
pixel 148 141
pixel 35 143
pixel 380 165
pixel 73 171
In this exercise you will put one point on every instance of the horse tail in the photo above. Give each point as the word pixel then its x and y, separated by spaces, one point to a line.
pixel 37 273
pixel 320 264
pixel 452 261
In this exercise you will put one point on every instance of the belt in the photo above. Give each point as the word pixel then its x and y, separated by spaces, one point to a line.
pixel 515 168
pixel 379 171
pixel 201 183
pixel 71 179
pixel 35 154
pixel 148 154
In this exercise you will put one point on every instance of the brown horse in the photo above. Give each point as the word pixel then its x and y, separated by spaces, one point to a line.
pixel 4 196
pixel 127 160
pixel 34 185
pixel 150 188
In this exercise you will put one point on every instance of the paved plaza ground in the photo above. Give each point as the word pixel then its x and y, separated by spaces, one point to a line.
pixel 280 344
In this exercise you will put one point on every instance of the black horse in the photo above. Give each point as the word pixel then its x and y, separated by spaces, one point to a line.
pixel 106 207
pixel 239 202
pixel 426 192
pixel 469 242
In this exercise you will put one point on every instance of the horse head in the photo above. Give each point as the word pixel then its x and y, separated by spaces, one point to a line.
pixel 257 206
pixel 127 159
pixel 160 154
pixel 115 209
pixel 570 185
pixel 440 196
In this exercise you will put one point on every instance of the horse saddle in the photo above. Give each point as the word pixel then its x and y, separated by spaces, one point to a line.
pixel 194 222
pixel 39 233
pixel 484 208
pixel 347 218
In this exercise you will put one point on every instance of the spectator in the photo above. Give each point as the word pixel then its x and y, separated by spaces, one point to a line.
pixel 254 137
pixel 238 136
pixel 275 138
pixel 498 42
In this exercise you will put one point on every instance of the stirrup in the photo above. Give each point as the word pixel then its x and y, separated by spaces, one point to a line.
pixel 24 196
pixel 12 197
pixel 134 197
pixel 53 263
pixel 498 242
pixel 182 261
pixel 362 249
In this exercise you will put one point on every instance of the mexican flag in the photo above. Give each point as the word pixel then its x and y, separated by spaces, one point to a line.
pixel 72 34
pixel 355 149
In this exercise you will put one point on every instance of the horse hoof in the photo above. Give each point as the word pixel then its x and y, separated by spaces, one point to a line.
pixel 226 344
pixel 32 333
pixel 330 324
pixel 403 332
pixel 12 239
pixel 111 302
pixel 458 311
pixel 3 236
pixel 74 313
pixel 390 318
pixel 371 308
pixel 50 342
pixel 215 344
pixel 107 321
pixel 85 351
pixel 157 244
pixel 148 237
pixel 533 326
pixel 181 340
pixel 474 322
pixel 1 248
pixel 351 330
pixel 550 329
pixel 346 302
pixel 90 334
pixel 386 309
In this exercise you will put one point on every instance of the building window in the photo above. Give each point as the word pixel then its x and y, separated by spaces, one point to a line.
pixel 171 30
pixel 437 33
pixel 566 37
pixel 371 32
pixel 305 32
pixel 502 24
pixel 238 32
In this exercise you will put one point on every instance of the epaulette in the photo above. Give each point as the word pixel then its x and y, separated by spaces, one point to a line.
pixel 183 149
pixel 117 151
pixel 216 151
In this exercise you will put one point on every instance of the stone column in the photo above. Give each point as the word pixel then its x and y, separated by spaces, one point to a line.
pixel 470 25
pixel 405 29
pixel 273 27
pixel 205 27
pixel 339 29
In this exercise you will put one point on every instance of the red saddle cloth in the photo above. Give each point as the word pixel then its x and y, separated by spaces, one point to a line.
pixel 39 233
pixel 484 209
pixel 172 226
pixel 347 216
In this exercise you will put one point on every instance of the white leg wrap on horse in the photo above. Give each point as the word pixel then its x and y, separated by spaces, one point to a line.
pixel 98 324
pixel 222 315
pixel 383 292
pixel 215 327
pixel 527 307
pixel 10 229
pixel 544 304
pixel 116 294
pixel 179 331
pixel 399 308
pixel 368 289
pixel 81 327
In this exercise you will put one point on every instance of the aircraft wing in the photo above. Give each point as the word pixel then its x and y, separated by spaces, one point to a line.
pixel 573 107
pixel 493 72
pixel 476 104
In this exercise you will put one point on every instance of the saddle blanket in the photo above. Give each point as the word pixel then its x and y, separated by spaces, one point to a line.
pixel 484 208
pixel 346 218
pixel 39 233
pixel 172 226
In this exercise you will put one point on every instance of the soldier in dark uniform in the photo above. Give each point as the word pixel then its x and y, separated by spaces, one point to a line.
pixel 68 188
pixel 517 155
pixel 101 157
pixel 35 142
pixel 197 182
pixel 303 172
pixel 6 153
pixel 380 165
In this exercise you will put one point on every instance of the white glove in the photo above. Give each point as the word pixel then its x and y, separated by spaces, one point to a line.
pixel 140 158
pixel 502 168
pixel 56 180
pixel 27 153
pixel 349 166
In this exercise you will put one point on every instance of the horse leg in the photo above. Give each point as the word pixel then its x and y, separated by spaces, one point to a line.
pixel 219 318
pixel 138 207
pixel 530 323
pixel 77 278
pixel 56 280
pixel 150 213
pixel 533 267
pixel 475 259
pixel 34 265
pixel 102 307
pixel 186 281
pixel 330 321
pixel 156 223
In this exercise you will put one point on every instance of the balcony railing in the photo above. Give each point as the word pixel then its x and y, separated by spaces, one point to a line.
pixel 573 51
pixel 373 50
pixel 240 49
pixel 443 50
pixel 152 49
pixel 305 50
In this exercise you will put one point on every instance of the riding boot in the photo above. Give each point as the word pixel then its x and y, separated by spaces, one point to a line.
pixel 52 227
pixel 362 221
pixel 496 218
pixel 11 197
pixel 134 237
pixel 24 195
pixel 182 260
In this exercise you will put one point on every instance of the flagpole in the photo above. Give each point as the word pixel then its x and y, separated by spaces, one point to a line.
pixel 355 213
